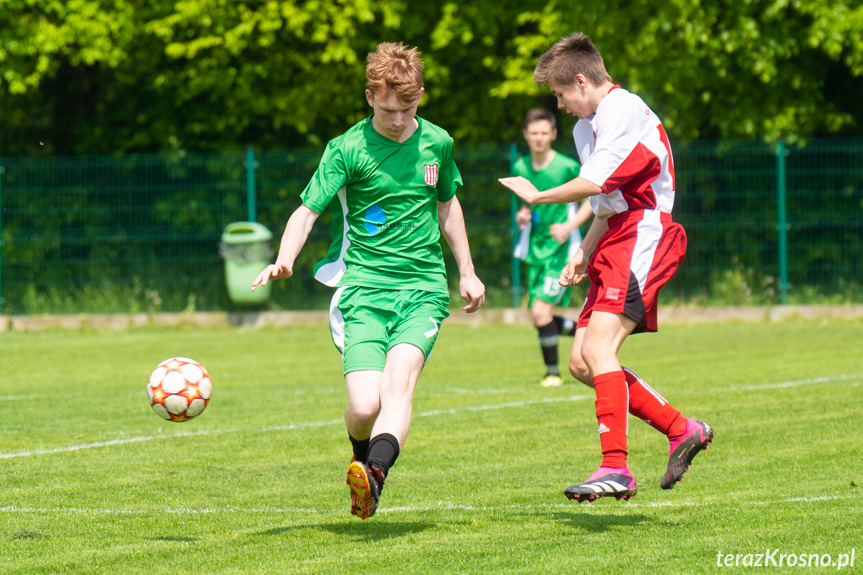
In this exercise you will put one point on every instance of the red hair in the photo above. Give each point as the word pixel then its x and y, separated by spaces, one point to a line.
pixel 395 68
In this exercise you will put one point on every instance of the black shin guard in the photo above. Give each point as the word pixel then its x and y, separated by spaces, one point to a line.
pixel 565 326
pixel 383 451
pixel 548 345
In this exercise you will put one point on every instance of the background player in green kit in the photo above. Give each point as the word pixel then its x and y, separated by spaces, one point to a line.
pixel 550 236
pixel 394 178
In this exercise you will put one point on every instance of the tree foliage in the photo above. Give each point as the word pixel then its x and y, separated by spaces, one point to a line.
pixel 112 76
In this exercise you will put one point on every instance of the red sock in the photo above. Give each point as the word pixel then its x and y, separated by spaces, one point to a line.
pixel 645 403
pixel 612 399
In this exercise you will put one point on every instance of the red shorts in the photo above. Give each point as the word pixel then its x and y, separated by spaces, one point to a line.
pixel 633 260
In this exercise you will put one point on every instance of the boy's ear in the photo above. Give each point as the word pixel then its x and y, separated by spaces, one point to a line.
pixel 581 80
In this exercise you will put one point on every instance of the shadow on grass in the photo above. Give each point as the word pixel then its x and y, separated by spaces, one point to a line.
pixel 174 539
pixel 370 530
pixel 596 523
pixel 28 534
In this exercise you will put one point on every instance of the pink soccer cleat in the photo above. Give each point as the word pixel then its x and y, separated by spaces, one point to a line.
pixel 684 449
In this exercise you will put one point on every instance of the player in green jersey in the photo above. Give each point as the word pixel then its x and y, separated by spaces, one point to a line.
pixel 550 236
pixel 394 179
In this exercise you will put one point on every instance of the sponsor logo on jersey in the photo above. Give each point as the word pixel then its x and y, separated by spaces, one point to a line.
pixel 612 293
pixel 431 174
pixel 375 218
pixel 375 221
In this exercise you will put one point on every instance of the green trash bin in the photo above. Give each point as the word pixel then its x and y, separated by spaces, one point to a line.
pixel 246 248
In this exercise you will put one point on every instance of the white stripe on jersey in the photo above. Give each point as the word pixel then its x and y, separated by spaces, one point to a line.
pixel 330 273
pixel 623 149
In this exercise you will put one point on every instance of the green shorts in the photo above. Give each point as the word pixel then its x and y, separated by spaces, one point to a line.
pixel 366 322
pixel 543 284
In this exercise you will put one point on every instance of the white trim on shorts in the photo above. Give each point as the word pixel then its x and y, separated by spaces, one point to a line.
pixel 337 322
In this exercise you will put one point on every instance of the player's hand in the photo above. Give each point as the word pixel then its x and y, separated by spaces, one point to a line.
pixel 522 188
pixel 575 271
pixel 272 271
pixel 523 217
pixel 473 292
pixel 560 232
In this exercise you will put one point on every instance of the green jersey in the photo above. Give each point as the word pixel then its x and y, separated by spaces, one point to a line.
pixel 543 247
pixel 385 232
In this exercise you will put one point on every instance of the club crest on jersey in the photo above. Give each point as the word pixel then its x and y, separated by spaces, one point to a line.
pixel 431 174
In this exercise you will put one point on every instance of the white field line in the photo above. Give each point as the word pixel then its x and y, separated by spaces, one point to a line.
pixel 440 506
pixel 455 411
pixel 29 396
pixel 167 435
pixel 444 505
pixel 796 383
pixel 143 393
pixel 467 391
pixel 327 391
pixel 289 427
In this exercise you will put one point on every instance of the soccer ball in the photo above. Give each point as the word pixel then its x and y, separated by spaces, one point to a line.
pixel 179 389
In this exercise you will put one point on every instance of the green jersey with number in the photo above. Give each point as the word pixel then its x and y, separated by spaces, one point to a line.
pixel 385 232
pixel 543 247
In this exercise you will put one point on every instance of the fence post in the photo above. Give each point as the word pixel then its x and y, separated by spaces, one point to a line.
pixel 1 234
pixel 251 200
pixel 513 208
pixel 782 223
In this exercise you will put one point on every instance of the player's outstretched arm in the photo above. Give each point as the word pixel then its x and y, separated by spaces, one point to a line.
pixel 451 219
pixel 293 239
pixel 574 190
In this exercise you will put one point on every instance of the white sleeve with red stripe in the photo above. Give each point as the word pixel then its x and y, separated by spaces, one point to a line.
pixel 624 149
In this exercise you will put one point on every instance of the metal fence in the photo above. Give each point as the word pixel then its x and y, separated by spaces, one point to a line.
pixel 766 225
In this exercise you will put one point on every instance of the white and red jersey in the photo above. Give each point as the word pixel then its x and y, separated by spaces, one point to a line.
pixel 624 149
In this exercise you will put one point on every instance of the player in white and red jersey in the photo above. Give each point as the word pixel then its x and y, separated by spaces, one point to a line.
pixel 632 249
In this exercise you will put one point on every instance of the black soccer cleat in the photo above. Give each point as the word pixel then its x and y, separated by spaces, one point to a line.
pixel 618 483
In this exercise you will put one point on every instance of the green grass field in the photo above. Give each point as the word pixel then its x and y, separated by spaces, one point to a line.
pixel 92 481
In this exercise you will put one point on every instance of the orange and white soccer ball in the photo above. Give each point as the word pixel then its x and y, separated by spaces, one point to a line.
pixel 179 389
